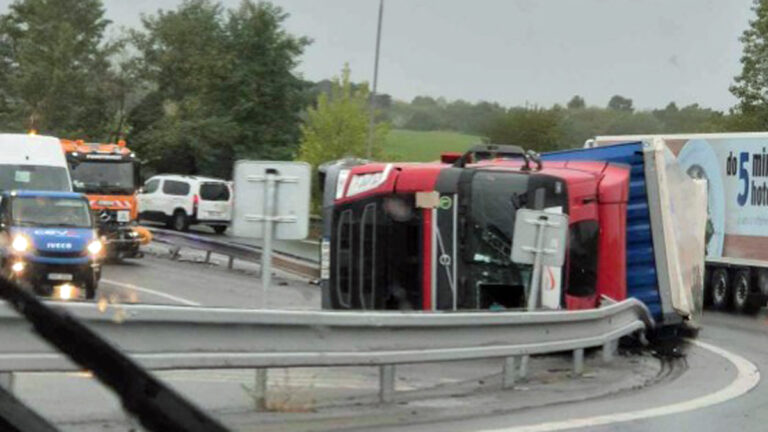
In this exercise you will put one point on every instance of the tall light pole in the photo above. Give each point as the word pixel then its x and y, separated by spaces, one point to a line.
pixel 372 103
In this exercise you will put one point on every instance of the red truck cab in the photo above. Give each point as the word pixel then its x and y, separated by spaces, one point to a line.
pixel 438 236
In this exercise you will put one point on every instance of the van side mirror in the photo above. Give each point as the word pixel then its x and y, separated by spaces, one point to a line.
pixel 140 190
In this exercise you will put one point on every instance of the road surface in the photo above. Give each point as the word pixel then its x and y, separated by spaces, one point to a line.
pixel 707 375
pixel 78 403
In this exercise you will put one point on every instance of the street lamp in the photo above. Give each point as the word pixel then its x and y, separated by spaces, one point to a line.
pixel 375 81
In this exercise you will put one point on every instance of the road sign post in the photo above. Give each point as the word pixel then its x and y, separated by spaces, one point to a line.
pixel 271 202
pixel 540 241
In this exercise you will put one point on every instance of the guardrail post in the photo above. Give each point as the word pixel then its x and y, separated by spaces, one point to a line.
pixel 6 381
pixel 608 348
pixel 524 366
pixel 231 262
pixel 508 373
pixel 578 361
pixel 207 257
pixel 386 383
pixel 260 390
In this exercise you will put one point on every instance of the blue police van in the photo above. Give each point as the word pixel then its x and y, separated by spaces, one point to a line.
pixel 48 243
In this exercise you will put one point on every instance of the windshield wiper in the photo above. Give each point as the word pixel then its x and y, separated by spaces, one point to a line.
pixel 157 406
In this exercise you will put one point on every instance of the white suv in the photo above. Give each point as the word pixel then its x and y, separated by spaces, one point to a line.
pixel 183 200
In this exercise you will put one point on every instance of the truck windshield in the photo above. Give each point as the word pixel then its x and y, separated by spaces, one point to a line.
pixel 496 197
pixel 50 212
pixel 33 177
pixel 103 177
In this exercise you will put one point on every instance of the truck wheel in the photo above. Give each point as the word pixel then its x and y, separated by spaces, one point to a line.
pixel 219 229
pixel 721 290
pixel 180 221
pixel 742 301
pixel 707 288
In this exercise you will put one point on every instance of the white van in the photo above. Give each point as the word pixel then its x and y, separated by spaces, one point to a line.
pixel 183 200
pixel 33 162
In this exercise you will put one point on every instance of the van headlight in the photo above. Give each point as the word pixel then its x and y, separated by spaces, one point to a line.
pixel 95 247
pixel 20 243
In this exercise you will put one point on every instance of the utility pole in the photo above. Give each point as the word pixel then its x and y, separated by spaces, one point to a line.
pixel 375 82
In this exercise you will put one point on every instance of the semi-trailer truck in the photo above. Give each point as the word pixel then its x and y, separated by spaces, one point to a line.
pixel 735 166
pixel 439 236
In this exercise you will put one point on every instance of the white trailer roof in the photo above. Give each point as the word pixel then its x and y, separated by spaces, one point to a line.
pixel 729 135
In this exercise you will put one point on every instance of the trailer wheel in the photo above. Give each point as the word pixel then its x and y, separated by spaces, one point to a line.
pixel 742 301
pixel 707 287
pixel 721 289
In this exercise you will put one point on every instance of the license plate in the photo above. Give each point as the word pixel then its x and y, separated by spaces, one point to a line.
pixel 60 276
pixel 124 216
pixel 214 213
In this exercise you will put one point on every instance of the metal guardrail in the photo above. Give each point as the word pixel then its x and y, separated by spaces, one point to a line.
pixel 290 263
pixel 174 337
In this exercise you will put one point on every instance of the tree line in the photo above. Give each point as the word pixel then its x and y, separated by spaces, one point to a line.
pixel 192 90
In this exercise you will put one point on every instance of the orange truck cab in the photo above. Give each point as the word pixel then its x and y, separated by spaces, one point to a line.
pixel 109 175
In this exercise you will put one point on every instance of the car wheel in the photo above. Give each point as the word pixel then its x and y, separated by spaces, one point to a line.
pixel 742 301
pixel 721 290
pixel 180 221
pixel 219 229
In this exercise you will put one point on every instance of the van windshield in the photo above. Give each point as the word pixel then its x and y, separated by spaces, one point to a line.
pixel 33 177
pixel 50 212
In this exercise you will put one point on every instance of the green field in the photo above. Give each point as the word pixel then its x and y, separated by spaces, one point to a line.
pixel 418 146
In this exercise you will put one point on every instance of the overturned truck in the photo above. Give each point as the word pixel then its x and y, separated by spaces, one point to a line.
pixel 440 236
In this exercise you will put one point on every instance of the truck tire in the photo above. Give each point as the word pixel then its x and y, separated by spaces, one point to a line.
pixel 742 301
pixel 721 289
pixel 180 221
pixel 707 287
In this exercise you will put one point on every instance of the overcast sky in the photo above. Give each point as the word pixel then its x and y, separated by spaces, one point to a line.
pixel 517 51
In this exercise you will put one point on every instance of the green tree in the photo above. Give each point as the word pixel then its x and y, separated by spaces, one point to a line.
pixel 535 129
pixel 576 102
pixel 224 87
pixel 620 103
pixel 751 85
pixel 55 69
pixel 689 119
pixel 338 126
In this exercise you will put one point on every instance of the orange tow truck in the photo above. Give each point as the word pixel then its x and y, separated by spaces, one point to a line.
pixel 109 175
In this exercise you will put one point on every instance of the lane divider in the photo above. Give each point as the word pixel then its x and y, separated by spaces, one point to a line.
pixel 177 299
pixel 747 377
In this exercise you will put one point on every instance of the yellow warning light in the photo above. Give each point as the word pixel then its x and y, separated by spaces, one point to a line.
pixel 32 132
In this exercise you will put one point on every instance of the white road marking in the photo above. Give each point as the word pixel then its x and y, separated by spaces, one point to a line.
pixel 748 376
pixel 153 292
